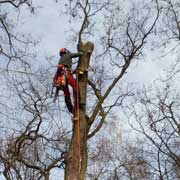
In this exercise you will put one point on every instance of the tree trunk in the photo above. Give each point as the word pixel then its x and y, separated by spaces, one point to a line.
pixel 76 160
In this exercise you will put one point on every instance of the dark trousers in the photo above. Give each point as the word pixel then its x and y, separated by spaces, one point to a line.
pixel 72 82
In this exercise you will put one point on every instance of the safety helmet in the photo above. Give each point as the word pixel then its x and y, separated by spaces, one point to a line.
pixel 63 51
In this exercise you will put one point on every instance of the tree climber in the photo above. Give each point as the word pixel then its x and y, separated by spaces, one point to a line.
pixel 64 77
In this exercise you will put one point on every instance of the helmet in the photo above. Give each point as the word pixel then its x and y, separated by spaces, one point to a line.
pixel 63 51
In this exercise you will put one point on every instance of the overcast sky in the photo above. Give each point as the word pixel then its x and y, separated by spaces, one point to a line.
pixel 50 25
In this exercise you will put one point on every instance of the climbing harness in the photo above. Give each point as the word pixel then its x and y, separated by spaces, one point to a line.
pixel 60 78
pixel 59 81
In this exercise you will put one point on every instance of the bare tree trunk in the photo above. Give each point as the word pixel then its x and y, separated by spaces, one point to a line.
pixel 76 161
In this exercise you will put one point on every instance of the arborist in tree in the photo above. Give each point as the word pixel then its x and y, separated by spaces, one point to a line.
pixel 64 77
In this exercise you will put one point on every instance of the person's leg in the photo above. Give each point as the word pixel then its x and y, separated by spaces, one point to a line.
pixel 73 84
pixel 67 99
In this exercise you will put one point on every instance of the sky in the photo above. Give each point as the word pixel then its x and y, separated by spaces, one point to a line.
pixel 50 26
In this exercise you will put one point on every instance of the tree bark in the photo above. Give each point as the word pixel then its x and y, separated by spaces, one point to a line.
pixel 76 160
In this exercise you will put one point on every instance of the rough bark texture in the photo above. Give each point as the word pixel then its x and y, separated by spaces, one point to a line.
pixel 76 166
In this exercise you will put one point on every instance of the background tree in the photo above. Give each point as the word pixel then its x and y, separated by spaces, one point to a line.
pixel 24 151
pixel 117 157
pixel 13 44
pixel 157 108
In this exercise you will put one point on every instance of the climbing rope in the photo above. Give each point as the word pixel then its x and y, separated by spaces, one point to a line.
pixel 76 140
pixel 78 120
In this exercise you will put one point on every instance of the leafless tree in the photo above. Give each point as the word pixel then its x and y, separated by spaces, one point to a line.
pixel 158 118
pixel 36 143
pixel 168 33
pixel 13 45
pixel 116 157
pixel 157 109
pixel 121 42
